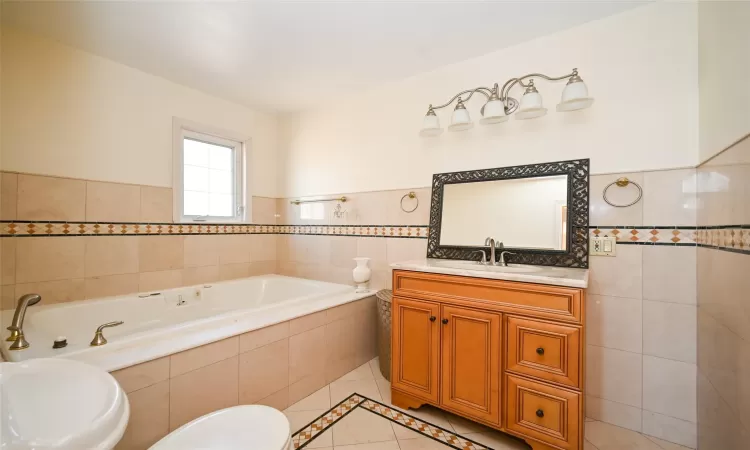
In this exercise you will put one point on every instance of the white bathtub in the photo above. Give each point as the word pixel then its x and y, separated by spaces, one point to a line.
pixel 161 323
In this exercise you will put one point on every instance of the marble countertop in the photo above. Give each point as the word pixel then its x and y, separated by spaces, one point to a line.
pixel 556 276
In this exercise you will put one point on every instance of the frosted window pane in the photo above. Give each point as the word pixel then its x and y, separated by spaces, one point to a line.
pixel 220 181
pixel 220 205
pixel 196 203
pixel 196 178
pixel 220 158
pixel 196 153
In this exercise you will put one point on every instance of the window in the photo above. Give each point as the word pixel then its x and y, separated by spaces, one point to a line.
pixel 209 178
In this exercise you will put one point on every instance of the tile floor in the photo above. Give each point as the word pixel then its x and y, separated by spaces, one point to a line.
pixel 362 429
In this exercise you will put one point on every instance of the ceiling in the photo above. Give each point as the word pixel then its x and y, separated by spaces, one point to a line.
pixel 286 56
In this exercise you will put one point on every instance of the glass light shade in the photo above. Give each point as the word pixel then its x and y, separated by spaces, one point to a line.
pixel 494 112
pixel 430 126
pixel 575 96
pixel 531 106
pixel 460 120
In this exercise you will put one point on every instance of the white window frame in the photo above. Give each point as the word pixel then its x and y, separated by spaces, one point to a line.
pixel 240 147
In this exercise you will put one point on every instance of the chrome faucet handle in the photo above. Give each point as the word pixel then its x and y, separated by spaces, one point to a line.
pixel 502 257
pixel 99 337
pixel 483 260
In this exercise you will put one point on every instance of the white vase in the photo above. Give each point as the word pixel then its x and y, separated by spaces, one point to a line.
pixel 362 273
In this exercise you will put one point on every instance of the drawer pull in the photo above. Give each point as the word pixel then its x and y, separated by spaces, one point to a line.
pixel 540 351
pixel 445 321
pixel 432 318
pixel 539 413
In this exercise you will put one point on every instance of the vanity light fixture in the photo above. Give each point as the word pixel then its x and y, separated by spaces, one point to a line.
pixel 500 105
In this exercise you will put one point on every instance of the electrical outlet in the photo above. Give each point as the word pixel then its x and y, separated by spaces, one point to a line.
pixel 602 246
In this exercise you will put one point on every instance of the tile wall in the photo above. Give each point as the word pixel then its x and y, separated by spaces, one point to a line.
pixel 724 306
pixel 276 366
pixel 83 267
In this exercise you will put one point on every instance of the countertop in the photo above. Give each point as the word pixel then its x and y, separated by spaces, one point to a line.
pixel 556 276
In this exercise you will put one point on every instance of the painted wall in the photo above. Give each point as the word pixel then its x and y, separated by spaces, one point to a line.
pixel 641 66
pixel 70 113
pixel 724 59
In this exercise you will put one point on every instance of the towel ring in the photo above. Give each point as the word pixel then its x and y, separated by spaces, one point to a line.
pixel 622 182
pixel 410 195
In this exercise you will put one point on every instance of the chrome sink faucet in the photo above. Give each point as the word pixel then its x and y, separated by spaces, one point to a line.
pixel 16 326
pixel 493 244
pixel 503 262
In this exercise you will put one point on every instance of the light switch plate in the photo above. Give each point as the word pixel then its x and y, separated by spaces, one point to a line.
pixel 603 246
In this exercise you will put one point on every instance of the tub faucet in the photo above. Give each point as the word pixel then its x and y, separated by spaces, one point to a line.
pixel 99 336
pixel 16 326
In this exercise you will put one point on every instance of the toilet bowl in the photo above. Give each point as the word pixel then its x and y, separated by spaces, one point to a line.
pixel 247 427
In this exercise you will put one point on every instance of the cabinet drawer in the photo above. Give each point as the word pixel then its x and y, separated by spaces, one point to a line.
pixel 545 350
pixel 549 302
pixel 545 413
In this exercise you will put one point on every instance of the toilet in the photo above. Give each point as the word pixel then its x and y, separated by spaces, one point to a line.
pixel 247 427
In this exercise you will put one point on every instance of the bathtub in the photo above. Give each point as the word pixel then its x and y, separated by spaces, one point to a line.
pixel 169 321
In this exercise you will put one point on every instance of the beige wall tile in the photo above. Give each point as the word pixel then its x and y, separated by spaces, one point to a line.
pixel 264 210
pixel 149 417
pixel 263 247
pixel 264 371
pixel 202 391
pixel 278 400
pixel 264 336
pixel 343 251
pixel 670 330
pixel 304 357
pixel 375 249
pixel 669 388
pixel 669 197
pixel 110 255
pixel 142 375
pixel 8 297
pixel 619 276
pixel 366 208
pixel 234 248
pixel 8 195
pixel 8 260
pixel 112 202
pixel 614 375
pixel 602 214
pixel 340 348
pixel 342 311
pixel 307 322
pixel 399 249
pixel 156 204
pixel 669 274
pixel 49 258
pixel 59 291
pixel 624 416
pixel 722 199
pixel 160 252
pixel 202 250
pixel 614 322
pixel 306 386
pixel 163 279
pixel 200 275
pixel 49 198
pixel 262 268
pixel 202 356
pixel 111 285
pixel 234 271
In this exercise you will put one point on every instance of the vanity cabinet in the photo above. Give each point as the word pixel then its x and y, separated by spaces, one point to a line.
pixel 506 354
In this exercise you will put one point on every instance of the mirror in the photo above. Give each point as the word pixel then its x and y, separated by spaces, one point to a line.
pixel 540 212
pixel 504 209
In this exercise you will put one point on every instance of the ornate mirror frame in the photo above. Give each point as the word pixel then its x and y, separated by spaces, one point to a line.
pixel 576 252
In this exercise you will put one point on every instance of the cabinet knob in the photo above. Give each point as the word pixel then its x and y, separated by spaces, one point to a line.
pixel 539 413
pixel 540 351
pixel 432 318
pixel 445 321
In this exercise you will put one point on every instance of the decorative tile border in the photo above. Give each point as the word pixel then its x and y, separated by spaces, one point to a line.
pixel 37 228
pixel 732 238
pixel 312 430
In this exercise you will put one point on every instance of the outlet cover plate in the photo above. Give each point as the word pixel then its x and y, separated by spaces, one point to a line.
pixel 603 246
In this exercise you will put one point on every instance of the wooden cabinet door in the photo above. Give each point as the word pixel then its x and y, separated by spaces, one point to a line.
pixel 471 362
pixel 415 347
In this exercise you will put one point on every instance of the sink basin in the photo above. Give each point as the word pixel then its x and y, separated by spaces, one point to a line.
pixel 473 265
pixel 60 404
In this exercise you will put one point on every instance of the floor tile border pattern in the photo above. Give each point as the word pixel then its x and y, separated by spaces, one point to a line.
pixel 312 430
